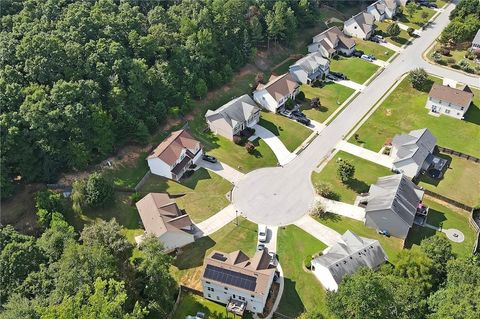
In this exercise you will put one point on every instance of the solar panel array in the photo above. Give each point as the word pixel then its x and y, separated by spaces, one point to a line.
pixel 230 277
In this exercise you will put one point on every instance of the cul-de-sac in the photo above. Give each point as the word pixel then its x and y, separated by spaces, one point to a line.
pixel 213 159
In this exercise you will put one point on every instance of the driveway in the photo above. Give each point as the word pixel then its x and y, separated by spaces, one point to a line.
pixel 321 232
pixel 377 158
pixel 222 169
pixel 271 243
pixel 380 63
pixel 215 222
pixel 316 126
pixel 351 84
pixel 391 46
pixel 343 209
pixel 281 152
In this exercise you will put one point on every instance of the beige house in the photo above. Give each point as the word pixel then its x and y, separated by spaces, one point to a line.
pixel 330 42
pixel 443 99
pixel 161 217
pixel 233 117
pixel 276 92
pixel 360 26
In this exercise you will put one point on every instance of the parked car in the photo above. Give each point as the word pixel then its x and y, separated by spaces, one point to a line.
pixel 384 232
pixel 339 75
pixel 366 58
pixel 378 38
pixel 375 39
pixel 332 77
pixel 298 114
pixel 260 247
pixel 303 120
pixel 371 56
pixel 200 315
pixel 273 258
pixel 209 158
pixel 262 233
pixel 358 53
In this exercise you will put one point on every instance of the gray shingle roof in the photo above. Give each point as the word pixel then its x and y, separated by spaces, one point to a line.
pixel 417 145
pixel 311 62
pixel 365 20
pixel 236 111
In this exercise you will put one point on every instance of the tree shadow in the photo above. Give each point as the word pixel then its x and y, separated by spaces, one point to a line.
pixel 270 126
pixel 427 86
pixel 473 114
pixel 192 255
pixel 291 299
pixel 417 234
pixel 357 185
pixel 330 217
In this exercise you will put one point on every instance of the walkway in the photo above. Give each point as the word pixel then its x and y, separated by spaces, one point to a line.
pixel 321 232
pixel 281 152
pixel 380 63
pixel 215 222
pixel 377 158
pixel 351 84
pixel 391 46
pixel 316 126
pixel 222 169
pixel 342 209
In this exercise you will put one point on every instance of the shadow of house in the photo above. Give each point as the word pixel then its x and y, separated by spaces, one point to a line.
pixel 192 255
pixel 417 234
pixel 270 126
pixel 291 302
pixel 473 114
pixel 435 217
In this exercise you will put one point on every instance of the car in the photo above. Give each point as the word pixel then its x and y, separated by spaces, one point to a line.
pixel 273 258
pixel 374 39
pixel 209 158
pixel 384 232
pixel 260 247
pixel 371 56
pixel 339 75
pixel 332 77
pixel 378 39
pixel 303 120
pixel 200 315
pixel 366 58
pixel 358 53
pixel 298 114
pixel 262 233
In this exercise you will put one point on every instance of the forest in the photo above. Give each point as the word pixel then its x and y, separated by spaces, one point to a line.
pixel 81 78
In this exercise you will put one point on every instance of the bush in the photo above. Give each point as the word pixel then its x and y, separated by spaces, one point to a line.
pixel 301 96
pixel 456 66
pixel 315 103
pixel 418 78
pixel 250 147
pixel 307 261
pixel 470 54
pixel 436 56
pixel 98 192
pixel 450 60
pixel 238 140
pixel 445 51
pixel 410 31
pixel 318 210
pixel 289 104
pixel 345 170
pixel 442 62
pixel 325 190
pixel 135 197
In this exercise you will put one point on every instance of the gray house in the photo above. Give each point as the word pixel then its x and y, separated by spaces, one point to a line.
pixel 233 117
pixel 330 42
pixel 346 257
pixel 413 152
pixel 394 203
pixel 476 41
pixel 310 68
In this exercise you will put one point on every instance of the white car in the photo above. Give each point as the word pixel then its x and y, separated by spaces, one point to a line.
pixel 366 58
pixel 262 233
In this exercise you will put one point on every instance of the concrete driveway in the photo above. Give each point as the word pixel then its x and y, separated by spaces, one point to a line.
pixel 353 85
pixel 281 152
pixel 377 158
pixel 321 232
pixel 215 222
pixel 222 169
pixel 342 209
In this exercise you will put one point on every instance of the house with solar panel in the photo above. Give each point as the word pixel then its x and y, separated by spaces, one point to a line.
pixel 238 281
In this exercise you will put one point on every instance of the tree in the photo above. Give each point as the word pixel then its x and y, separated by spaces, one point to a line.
pixel 96 191
pixel 325 190
pixel 314 314
pixel 250 147
pixel 54 240
pixel 416 266
pixel 439 250
pixel 418 78
pixel 289 104
pixel 201 88
pixel 393 30
pixel 345 170
pixel 318 210
pixel 47 203
pixel 315 103
pixel 424 15
pixel 19 306
pixel 411 8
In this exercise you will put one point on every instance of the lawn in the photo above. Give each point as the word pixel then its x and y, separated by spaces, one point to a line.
pixel 446 217
pixel 355 69
pixel 187 266
pixel 204 192
pixel 416 21
pixel 331 95
pixel 460 182
pixel 291 133
pixel 302 290
pixel 404 110
pixel 366 173
pixel 369 47
pixel 341 224
pixel 128 175
pixel 400 40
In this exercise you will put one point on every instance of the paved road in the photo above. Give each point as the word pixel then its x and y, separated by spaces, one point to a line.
pixel 283 195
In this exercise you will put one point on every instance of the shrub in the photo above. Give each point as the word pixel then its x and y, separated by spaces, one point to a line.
pixel 393 30
pixel 318 210
pixel 410 31
pixel 418 78
pixel 445 51
pixel 456 66
pixel 424 15
pixel 450 60
pixel 238 140
pixel 315 103
pixel 345 170
pixel 325 190
pixel 470 54
pixel 442 62
pixel 250 147
pixel 301 96
pixel 436 56
pixel 307 261
pixel 135 197
pixel 289 104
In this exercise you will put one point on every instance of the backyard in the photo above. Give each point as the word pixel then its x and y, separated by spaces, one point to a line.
pixel 372 48
pixel 355 69
pixel 302 290
pixel 416 21
pixel 204 192
pixel 404 110
pixel 366 173
pixel 331 96
pixel 399 40
pixel 291 133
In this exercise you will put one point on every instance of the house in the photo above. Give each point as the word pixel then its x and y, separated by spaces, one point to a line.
pixel 310 68
pixel 390 8
pixel 413 152
pixel 161 217
pixel 330 42
pixel 443 99
pixel 394 203
pixel 236 278
pixel 476 41
pixel 377 9
pixel 276 92
pixel 346 257
pixel 172 157
pixel 360 26
pixel 233 117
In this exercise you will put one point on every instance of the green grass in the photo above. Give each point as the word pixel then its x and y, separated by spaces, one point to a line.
pixel 400 40
pixel 460 181
pixel 128 175
pixel 416 21
pixel 369 47
pixel 187 267
pixel 404 110
pixel 366 173
pixel 331 95
pixel 204 192
pixel 284 67
pixel 302 290
pixel 291 133
pixel 355 69
pixel 341 224
pixel 446 217
pixel 440 3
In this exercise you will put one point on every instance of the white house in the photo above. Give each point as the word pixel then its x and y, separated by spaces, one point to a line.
pixel 443 99
pixel 276 92
pixel 161 217
pixel 360 26
pixel 330 42
pixel 233 117
pixel 476 41
pixel 172 157
pixel 235 277
pixel 377 9
pixel 310 68
pixel 390 8
pixel 346 257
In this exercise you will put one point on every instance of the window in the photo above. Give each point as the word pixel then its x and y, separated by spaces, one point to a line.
pixel 218 298
pixel 209 296
pixel 447 111
pixel 252 296
pixel 210 289
pixel 462 108
pixel 208 282
pixel 226 288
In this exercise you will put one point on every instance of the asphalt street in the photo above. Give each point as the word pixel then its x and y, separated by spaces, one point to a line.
pixel 282 195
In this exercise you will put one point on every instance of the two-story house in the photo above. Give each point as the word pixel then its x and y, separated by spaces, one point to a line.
pixel 443 99
pixel 377 9
pixel 276 92
pixel 360 26
pixel 172 157
pixel 310 68
pixel 330 42
pixel 233 117
pixel 235 277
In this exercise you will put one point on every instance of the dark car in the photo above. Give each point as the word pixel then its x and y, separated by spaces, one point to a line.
pixel 357 53
pixel 298 114
pixel 339 75
pixel 332 77
pixel 303 120
pixel 209 158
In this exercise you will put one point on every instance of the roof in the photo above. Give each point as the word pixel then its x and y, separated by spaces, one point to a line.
pixel 311 62
pixel 396 193
pixel 477 37
pixel 365 21
pixel 335 37
pixel 455 96
pixel 416 145
pixel 379 6
pixel 160 214
pixel 279 86
pixel 391 4
pixel 345 257
pixel 236 111
pixel 237 270
pixel 170 149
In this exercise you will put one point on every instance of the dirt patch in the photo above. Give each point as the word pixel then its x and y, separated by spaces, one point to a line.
pixel 388 112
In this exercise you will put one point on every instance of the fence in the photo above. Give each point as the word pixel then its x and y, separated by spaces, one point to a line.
pixel 458 154
pixel 448 200
pixel 475 225
pixel 143 180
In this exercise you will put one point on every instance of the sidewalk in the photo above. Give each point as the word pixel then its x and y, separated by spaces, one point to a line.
pixel 222 169
pixel 326 235
pixel 215 222
pixel 391 46
pixel 351 84
pixel 343 209
pixel 380 63
pixel 377 158
pixel 281 152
